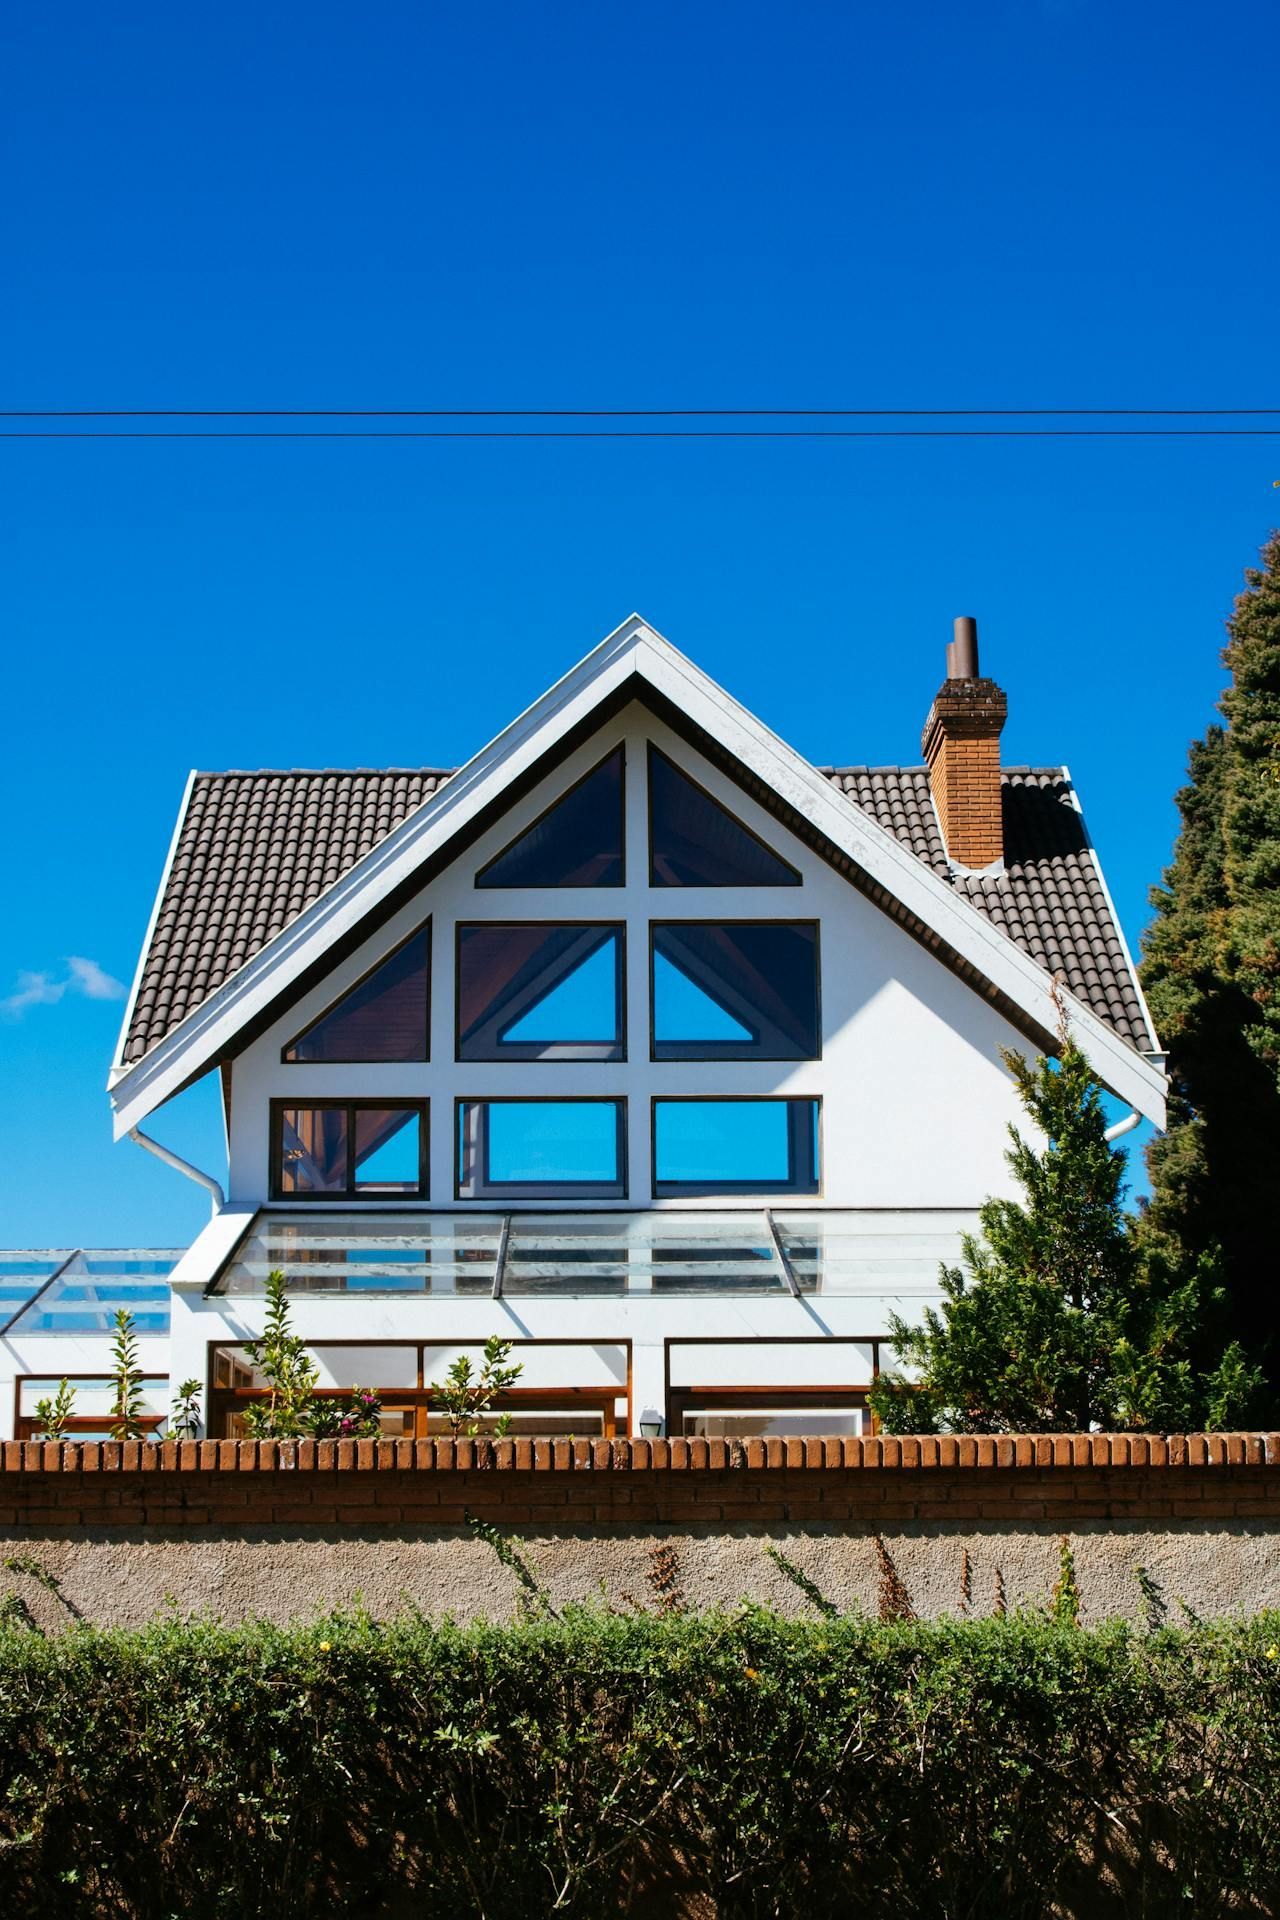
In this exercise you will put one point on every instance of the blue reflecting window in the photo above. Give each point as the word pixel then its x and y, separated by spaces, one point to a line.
pixel 735 1146
pixel 535 992
pixel 735 990
pixel 557 1148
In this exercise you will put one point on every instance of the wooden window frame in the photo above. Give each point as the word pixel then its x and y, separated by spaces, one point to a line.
pixel 26 1426
pixel 222 1401
pixel 350 1195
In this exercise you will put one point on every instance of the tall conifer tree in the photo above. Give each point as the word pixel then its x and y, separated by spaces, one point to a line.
pixel 1211 970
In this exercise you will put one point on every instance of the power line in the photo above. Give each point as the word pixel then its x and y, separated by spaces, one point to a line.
pixel 653 433
pixel 616 413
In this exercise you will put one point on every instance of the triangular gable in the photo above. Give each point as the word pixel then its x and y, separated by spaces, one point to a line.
pixel 633 662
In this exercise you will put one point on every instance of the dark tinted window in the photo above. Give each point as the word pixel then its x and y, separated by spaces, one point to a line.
pixel 741 990
pixel 695 842
pixel 576 843
pixel 384 1018
pixel 539 993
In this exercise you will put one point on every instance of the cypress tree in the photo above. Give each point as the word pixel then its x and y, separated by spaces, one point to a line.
pixel 1059 1318
pixel 1211 970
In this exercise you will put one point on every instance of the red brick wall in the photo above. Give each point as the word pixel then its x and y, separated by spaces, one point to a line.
pixel 561 1483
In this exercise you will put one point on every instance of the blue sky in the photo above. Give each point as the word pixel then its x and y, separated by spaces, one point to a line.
pixel 1065 203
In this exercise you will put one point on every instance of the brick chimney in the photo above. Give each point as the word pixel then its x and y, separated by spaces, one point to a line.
pixel 961 745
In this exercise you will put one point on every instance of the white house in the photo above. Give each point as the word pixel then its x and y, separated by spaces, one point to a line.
pixel 637 1040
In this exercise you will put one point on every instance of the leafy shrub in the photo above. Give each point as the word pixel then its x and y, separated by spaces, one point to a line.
pixel 733 1764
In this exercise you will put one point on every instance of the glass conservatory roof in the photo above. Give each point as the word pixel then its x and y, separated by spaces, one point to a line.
pixel 23 1274
pixel 592 1255
pixel 81 1292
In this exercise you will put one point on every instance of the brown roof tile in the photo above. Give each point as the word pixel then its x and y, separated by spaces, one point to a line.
pixel 255 849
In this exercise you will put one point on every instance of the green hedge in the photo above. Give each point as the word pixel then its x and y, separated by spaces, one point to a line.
pixel 721 1764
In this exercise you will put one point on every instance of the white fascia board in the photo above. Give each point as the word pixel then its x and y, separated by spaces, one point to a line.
pixel 132 1001
pixel 1134 978
pixel 633 649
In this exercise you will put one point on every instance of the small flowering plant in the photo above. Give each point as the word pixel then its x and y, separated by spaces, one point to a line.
pixel 359 1419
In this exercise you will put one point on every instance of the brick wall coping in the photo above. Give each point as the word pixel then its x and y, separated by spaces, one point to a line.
pixel 908 1454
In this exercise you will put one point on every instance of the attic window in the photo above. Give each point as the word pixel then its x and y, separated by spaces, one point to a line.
pixel 535 992
pixel 735 990
pixel 695 842
pixel 577 842
pixel 384 1017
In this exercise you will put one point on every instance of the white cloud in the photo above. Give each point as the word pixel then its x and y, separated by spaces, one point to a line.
pixel 33 990
pixel 42 990
pixel 88 978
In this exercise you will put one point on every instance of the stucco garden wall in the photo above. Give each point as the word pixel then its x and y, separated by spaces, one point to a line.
pixel 245 1528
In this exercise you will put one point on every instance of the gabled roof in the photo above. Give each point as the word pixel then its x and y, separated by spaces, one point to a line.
pixel 268 871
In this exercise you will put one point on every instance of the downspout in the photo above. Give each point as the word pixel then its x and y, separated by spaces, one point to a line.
pixel 176 1161
pixel 1126 1125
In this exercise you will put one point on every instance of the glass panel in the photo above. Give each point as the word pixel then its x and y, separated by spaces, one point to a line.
pixel 98 1282
pixel 382 1254
pixel 850 1252
pixel 539 993
pixel 716 1146
pixel 313 1149
pixel 745 990
pixel 23 1274
pixel 384 1018
pixel 695 842
pixel 641 1253
pixel 388 1150
pixel 531 1147
pixel 577 842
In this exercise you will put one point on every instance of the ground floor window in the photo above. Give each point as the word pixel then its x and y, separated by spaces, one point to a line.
pixel 767 1414
pixel 572 1387
pixel 94 1394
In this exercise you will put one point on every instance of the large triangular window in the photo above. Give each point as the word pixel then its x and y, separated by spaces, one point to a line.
pixel 576 843
pixel 735 990
pixel 383 1018
pixel 538 992
pixel 695 842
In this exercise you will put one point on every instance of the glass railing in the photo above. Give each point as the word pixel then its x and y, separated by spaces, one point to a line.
pixel 597 1255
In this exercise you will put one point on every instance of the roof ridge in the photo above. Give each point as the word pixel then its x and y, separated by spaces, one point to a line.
pixel 317 773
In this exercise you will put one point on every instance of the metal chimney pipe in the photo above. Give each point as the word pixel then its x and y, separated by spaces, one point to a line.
pixel 962 654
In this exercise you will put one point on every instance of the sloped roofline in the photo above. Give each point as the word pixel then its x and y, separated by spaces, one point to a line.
pixel 633 651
